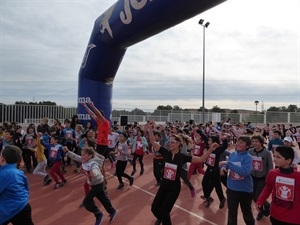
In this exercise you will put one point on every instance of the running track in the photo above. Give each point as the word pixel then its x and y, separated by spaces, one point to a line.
pixel 60 206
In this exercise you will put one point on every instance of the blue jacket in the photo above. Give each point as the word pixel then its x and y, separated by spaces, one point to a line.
pixel 14 191
pixel 55 152
pixel 240 167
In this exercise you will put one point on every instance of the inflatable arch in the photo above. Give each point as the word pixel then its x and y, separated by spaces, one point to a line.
pixel 125 23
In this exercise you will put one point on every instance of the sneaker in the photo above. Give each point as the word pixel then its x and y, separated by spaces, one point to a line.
pixel 63 182
pixel 63 170
pixel 77 170
pixel 57 185
pixel 222 203
pixel 259 216
pixel 46 178
pixel 120 187
pixel 193 192
pixel 203 198
pixel 133 172
pixel 99 218
pixel 48 181
pixel 209 201
pixel 157 222
pixel 112 215
pixel 142 172
pixel 131 181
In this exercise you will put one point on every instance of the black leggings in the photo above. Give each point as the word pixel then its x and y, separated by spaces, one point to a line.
pixel 164 202
pixel 140 157
pixel 120 168
pixel 98 192
pixel 22 218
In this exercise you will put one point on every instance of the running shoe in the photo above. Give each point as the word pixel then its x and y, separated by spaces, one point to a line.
pixel 112 216
pixel 99 218
pixel 120 187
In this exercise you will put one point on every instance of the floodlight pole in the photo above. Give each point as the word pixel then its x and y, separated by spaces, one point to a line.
pixel 201 22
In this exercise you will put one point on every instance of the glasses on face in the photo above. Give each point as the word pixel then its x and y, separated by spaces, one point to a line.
pixel 172 142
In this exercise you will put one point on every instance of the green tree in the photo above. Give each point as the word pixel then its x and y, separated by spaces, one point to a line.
pixel 176 107
pixel 161 107
pixel 217 109
pixel 292 108
pixel 273 109
pixel 137 111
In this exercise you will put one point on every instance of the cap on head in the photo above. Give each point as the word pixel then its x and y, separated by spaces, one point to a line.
pixel 288 139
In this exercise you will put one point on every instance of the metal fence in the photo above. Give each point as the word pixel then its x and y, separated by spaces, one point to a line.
pixel 34 113
pixel 27 114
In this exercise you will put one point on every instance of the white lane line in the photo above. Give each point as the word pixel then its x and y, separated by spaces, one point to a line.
pixel 177 206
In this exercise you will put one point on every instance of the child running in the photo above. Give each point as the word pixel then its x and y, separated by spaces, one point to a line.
pixel 170 186
pixel 14 189
pixel 261 164
pixel 91 166
pixel 122 154
pixel 40 169
pixel 239 182
pixel 211 178
pixel 284 185
pixel 56 155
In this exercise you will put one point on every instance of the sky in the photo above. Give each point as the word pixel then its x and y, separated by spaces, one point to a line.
pixel 252 53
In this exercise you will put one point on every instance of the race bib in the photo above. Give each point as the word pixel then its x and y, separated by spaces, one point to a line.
pixel 285 188
pixel 234 175
pixel 211 159
pixel 170 171
pixel 197 150
pixel 119 152
pixel 29 141
pixel 139 144
pixel 53 153
pixel 68 135
pixel 256 163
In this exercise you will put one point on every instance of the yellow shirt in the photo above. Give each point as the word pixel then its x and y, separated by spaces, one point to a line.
pixel 39 151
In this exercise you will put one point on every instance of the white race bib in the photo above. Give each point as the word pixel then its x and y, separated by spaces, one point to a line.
pixel 170 171
pixel 285 188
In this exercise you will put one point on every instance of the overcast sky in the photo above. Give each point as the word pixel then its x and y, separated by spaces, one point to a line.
pixel 252 53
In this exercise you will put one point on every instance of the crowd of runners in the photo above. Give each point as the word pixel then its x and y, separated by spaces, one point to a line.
pixel 250 162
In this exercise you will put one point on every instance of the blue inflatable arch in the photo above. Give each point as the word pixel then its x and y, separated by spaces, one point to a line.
pixel 125 23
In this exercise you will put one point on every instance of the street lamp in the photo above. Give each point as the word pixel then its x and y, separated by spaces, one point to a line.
pixel 201 22
pixel 256 103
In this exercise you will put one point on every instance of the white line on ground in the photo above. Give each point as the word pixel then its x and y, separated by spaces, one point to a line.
pixel 177 206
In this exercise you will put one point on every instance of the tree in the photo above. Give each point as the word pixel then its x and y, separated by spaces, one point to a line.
pixel 273 108
pixel 137 111
pixel 234 111
pixel 161 107
pixel 176 107
pixel 200 109
pixel 292 108
pixel 217 109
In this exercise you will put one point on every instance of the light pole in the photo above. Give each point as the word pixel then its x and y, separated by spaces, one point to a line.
pixel 256 103
pixel 201 22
